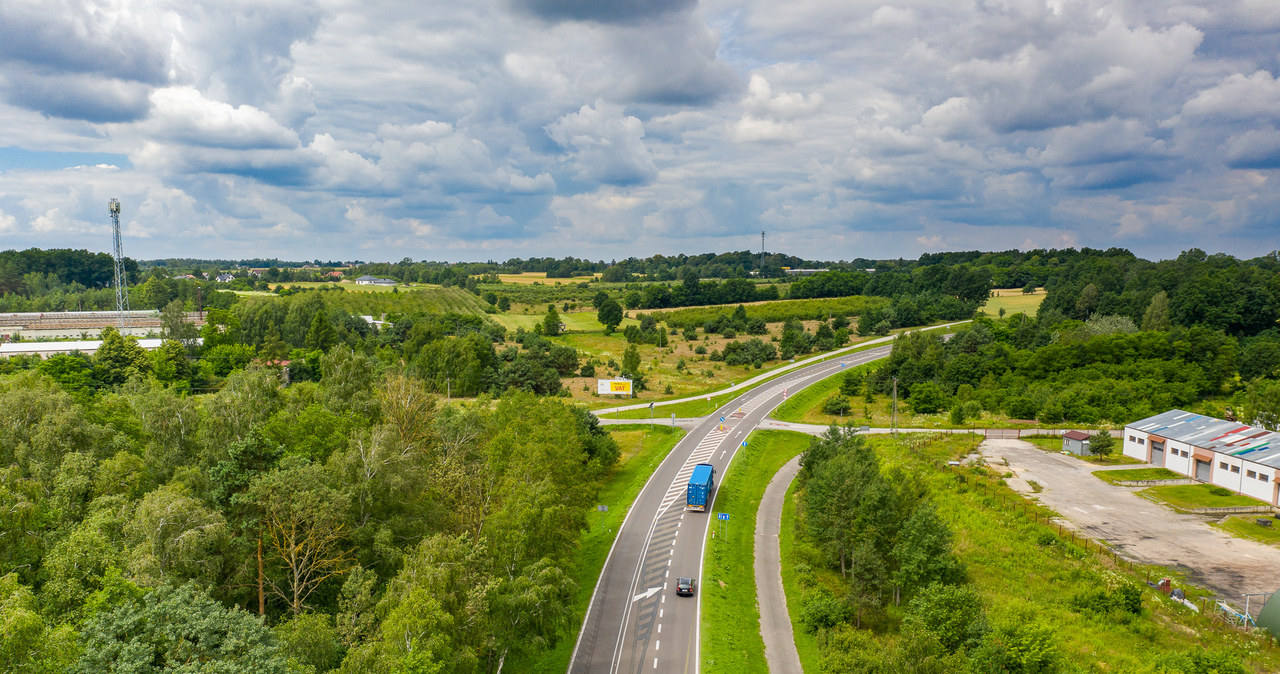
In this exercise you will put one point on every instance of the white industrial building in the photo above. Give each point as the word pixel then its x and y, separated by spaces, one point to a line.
pixel 1244 459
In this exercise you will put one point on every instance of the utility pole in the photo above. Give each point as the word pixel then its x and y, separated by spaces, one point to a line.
pixel 761 250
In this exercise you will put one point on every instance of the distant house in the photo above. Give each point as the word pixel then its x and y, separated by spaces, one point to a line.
pixel 1076 442
pixel 802 272
pixel 367 280
pixel 257 271
pixel 224 278
pixel 336 274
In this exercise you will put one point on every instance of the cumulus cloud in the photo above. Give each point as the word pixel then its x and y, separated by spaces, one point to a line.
pixel 605 145
pixel 845 128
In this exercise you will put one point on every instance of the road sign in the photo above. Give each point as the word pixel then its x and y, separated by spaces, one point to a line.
pixel 722 516
pixel 602 508
pixel 744 443
pixel 721 418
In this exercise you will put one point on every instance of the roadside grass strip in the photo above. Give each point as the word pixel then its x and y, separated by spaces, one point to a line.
pixel 1246 526
pixel 1134 474
pixel 794 552
pixel 731 640
pixel 1190 496
pixel 643 449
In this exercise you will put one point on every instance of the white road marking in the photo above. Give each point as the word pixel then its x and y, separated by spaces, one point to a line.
pixel 657 645
pixel 645 595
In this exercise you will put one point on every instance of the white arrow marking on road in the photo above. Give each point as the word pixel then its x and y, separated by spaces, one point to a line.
pixel 645 595
pixel 722 453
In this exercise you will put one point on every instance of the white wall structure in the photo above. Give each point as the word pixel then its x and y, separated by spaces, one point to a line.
pixel 1242 458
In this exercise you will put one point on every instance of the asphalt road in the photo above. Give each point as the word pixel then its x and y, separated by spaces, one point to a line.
pixel 635 622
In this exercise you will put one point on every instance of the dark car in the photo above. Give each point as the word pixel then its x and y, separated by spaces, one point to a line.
pixel 685 587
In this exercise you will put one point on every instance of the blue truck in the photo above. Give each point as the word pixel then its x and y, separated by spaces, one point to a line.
pixel 701 483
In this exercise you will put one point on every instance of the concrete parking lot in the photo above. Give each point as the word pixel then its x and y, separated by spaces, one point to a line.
pixel 1137 528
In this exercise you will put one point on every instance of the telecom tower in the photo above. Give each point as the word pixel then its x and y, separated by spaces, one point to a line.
pixel 122 284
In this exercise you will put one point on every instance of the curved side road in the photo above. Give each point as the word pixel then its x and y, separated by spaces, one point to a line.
pixel 775 622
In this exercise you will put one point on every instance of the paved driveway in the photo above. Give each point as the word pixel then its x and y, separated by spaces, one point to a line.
pixel 1137 528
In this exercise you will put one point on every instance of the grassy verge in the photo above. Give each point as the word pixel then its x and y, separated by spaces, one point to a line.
pixel 1114 476
pixel 795 551
pixel 1191 496
pixel 731 639
pixel 643 449
pixel 806 405
pixel 1243 526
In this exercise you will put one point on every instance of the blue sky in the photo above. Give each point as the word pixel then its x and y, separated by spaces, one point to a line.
pixel 489 129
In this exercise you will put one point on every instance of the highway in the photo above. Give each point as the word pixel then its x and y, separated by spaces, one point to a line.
pixel 635 622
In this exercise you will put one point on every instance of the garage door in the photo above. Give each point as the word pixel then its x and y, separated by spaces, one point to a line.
pixel 1157 456
pixel 1202 470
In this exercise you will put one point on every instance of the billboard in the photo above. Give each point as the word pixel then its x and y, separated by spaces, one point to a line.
pixel 614 387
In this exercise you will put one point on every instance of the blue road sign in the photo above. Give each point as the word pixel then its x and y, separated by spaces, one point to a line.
pixel 722 516
pixel 721 418
pixel 744 443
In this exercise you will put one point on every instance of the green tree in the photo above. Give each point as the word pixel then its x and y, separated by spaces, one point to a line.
pixel 27 642
pixel 631 361
pixel 303 518
pixel 1156 316
pixel 927 398
pixel 952 613
pixel 609 315
pixel 836 404
pixel 504 304
pixel 170 365
pixel 174 536
pixel 1262 404
pixel 551 325
pixel 174 325
pixel 922 552
pixel 119 359
pixel 1102 444
pixel 851 383
pixel 172 628
pixel 321 336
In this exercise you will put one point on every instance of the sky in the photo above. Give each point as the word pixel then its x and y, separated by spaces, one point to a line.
pixel 490 129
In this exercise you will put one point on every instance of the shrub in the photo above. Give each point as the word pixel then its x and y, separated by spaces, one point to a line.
pixel 836 404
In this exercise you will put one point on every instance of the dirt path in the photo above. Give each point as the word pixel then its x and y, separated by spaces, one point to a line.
pixel 1137 528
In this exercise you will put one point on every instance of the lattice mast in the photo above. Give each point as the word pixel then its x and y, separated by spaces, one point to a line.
pixel 121 282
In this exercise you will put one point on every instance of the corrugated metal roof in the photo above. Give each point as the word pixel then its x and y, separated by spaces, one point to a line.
pixel 1219 435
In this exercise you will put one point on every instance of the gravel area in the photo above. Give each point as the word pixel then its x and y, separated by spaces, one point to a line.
pixel 1139 529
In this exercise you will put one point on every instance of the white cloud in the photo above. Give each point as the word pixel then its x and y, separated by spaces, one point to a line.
pixel 605 145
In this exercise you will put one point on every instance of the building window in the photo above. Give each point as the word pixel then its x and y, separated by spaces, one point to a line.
pixel 1132 439
pixel 1222 465
pixel 1142 441
pixel 1264 478
pixel 1235 469
pixel 1251 473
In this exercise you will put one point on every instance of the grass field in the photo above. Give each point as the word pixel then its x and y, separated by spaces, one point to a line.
pixel 1243 526
pixel 805 406
pixel 790 544
pixel 1013 302
pixel 642 450
pixel 1191 496
pixel 1025 571
pixel 531 277
pixel 1114 476
pixel 731 639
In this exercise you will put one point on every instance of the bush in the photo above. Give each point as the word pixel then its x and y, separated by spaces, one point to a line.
pixel 836 405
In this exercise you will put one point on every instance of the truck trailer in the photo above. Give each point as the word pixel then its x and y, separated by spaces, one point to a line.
pixel 701 483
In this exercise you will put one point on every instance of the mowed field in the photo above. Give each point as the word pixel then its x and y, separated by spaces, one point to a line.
pixel 1013 302
pixel 539 277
